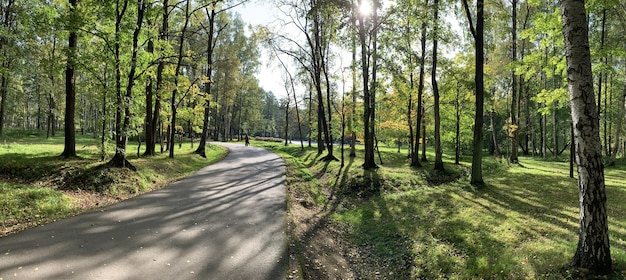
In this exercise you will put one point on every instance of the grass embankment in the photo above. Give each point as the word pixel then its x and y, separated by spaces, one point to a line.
pixel 37 186
pixel 414 223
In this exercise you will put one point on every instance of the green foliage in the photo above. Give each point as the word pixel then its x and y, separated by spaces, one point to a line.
pixel 558 97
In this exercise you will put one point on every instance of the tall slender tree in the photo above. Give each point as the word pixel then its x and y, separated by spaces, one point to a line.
pixel 420 93
pixel 353 67
pixel 123 97
pixel 70 84
pixel 433 76
pixel 212 10
pixel 593 249
pixel 8 16
pixel 177 71
pixel 476 177
pixel 368 106
pixel 513 128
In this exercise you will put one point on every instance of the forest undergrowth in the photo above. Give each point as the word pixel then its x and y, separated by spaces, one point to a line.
pixel 398 222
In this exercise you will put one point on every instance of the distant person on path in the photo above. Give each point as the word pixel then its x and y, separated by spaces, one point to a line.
pixel 247 140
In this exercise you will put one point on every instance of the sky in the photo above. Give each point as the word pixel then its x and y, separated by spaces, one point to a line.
pixel 260 12
pixel 257 13
pixel 270 73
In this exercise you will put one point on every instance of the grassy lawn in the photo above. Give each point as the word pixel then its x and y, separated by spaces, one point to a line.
pixel 37 186
pixel 420 224
pixel 400 222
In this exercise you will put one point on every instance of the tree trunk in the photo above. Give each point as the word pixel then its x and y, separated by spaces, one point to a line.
pixel 70 89
pixel 320 66
pixel 156 116
pixel 593 250
pixel 7 14
pixel 424 140
pixel 543 141
pixel 174 103
pixel 618 125
pixel 457 141
pixel 352 120
pixel 601 74
pixel 119 159
pixel 148 129
pixel 287 122
pixel 438 150
pixel 514 96
pixel 104 122
pixel 3 94
pixel 374 87
pixel 572 152
pixel 476 177
pixel 409 109
pixel 320 137
pixel 420 93
pixel 608 95
pixel 201 150
pixel 555 136
pixel 343 124
pixel 123 100
pixel 310 115
pixel 369 162
pixel 494 136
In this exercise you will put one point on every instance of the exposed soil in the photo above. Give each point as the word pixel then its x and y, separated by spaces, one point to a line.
pixel 320 248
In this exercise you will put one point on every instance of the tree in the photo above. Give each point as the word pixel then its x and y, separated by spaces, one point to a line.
pixel 353 67
pixel 368 104
pixel 315 20
pixel 123 109
pixel 154 92
pixel 513 129
pixel 7 14
pixel 420 93
pixel 438 150
pixel 211 11
pixel 618 125
pixel 593 249
pixel 179 60
pixel 478 34
pixel 70 85
pixel 290 83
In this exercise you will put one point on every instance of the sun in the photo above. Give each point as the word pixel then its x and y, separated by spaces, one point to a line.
pixel 365 7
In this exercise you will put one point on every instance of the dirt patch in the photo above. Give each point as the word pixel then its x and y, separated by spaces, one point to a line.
pixel 86 200
pixel 320 248
pixel 315 249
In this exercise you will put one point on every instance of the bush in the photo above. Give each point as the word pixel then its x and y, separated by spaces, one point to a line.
pixel 268 139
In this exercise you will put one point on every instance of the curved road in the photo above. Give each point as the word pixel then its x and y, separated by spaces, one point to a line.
pixel 226 221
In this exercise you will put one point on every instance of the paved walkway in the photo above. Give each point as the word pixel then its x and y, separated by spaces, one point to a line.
pixel 227 221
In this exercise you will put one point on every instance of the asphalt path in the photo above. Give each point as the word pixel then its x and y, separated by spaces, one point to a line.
pixel 226 221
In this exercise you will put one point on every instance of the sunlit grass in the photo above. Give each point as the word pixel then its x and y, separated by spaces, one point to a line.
pixel 34 178
pixel 522 225
pixel 22 204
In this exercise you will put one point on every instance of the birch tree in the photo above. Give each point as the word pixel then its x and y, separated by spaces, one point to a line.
pixel 593 249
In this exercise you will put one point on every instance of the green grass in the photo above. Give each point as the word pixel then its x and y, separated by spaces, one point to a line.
pixel 24 204
pixel 37 186
pixel 420 224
